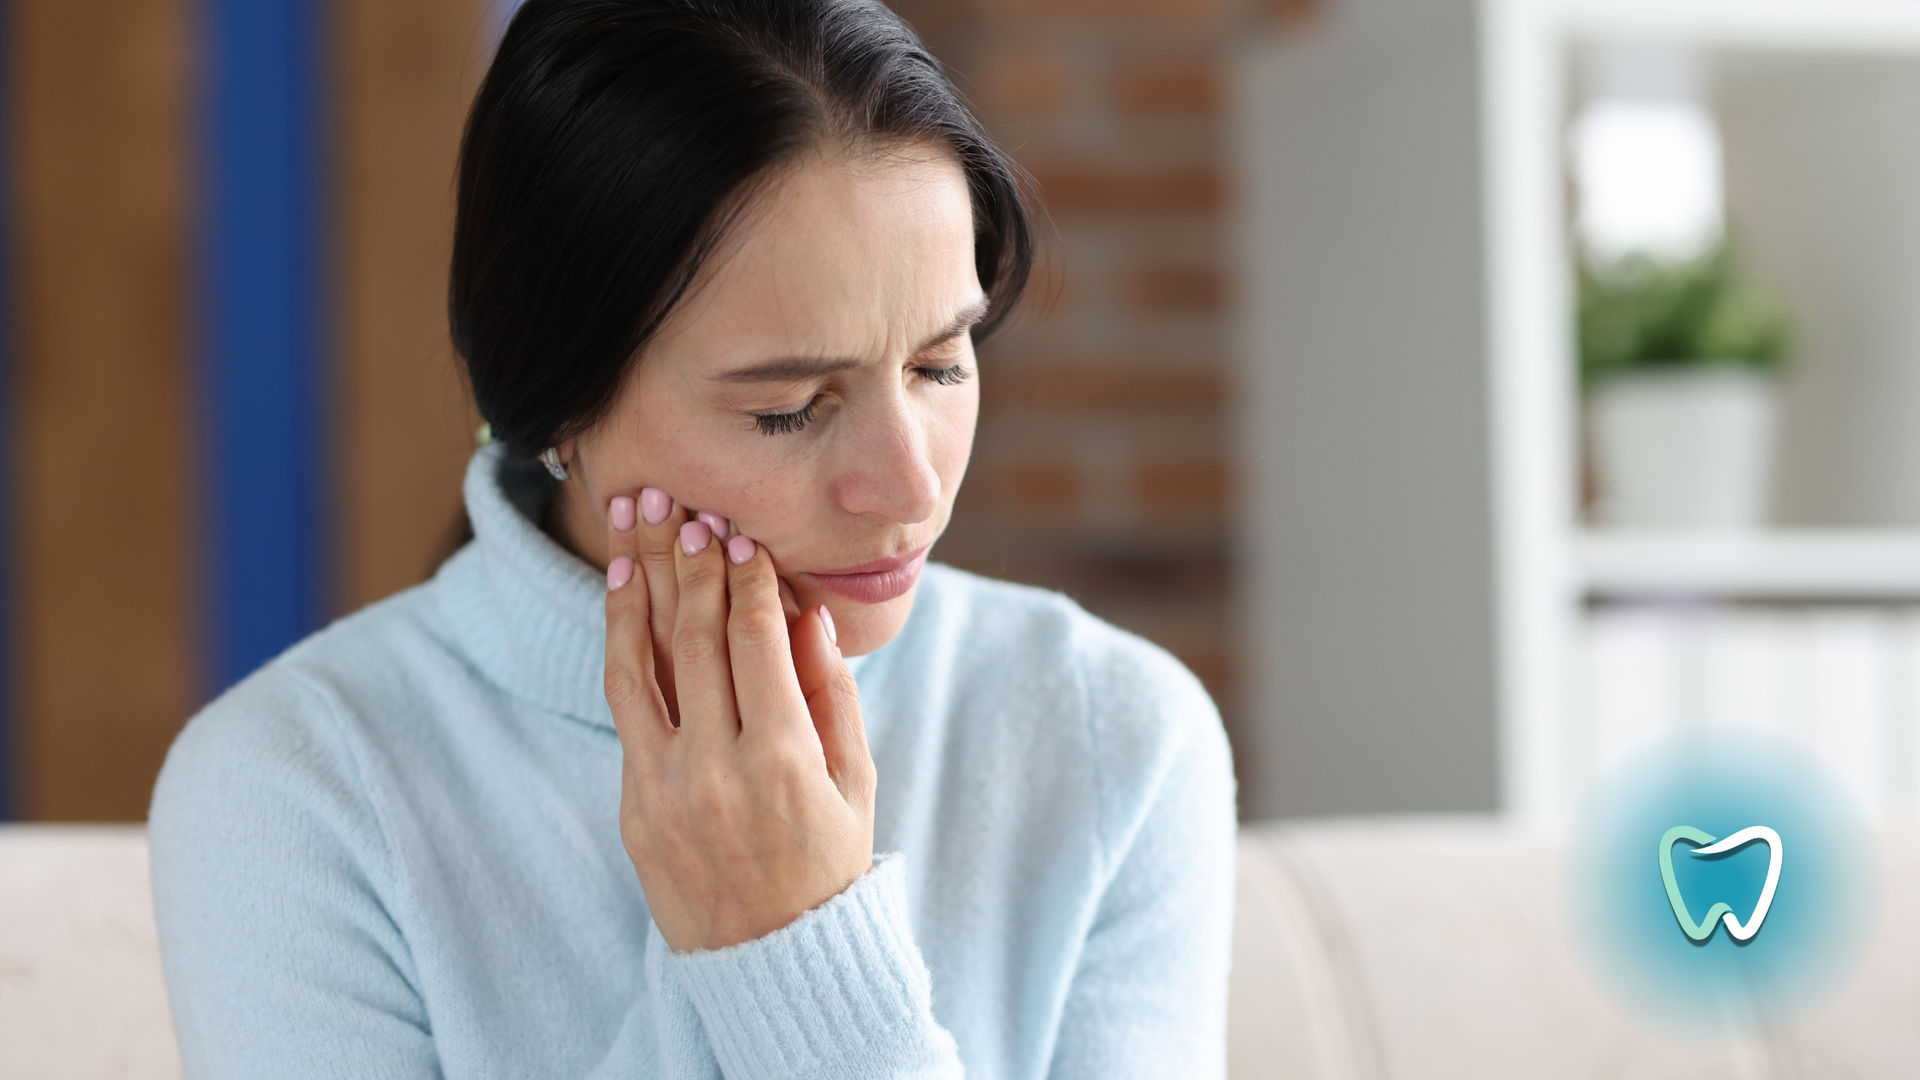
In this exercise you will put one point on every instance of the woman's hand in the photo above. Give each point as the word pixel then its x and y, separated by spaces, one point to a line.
pixel 758 806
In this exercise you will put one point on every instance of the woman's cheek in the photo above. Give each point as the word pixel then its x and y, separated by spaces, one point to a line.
pixel 952 438
pixel 772 506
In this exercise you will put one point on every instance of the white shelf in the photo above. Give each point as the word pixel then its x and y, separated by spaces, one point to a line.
pixel 1410 159
pixel 1796 26
pixel 1851 565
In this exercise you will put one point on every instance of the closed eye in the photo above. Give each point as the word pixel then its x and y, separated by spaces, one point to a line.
pixel 785 423
pixel 945 376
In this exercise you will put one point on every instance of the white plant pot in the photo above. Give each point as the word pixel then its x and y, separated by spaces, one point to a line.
pixel 1685 449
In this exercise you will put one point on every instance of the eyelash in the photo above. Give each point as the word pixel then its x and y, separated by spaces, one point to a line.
pixel 945 376
pixel 786 423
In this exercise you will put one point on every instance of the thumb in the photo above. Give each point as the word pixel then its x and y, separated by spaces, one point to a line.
pixel 833 699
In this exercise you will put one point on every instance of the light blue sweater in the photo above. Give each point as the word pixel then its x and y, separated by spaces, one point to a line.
pixel 393 852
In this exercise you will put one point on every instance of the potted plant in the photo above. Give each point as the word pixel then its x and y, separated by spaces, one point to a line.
pixel 1679 361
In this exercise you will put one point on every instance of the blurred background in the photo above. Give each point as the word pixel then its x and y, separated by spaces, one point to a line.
pixel 236 414
pixel 1468 393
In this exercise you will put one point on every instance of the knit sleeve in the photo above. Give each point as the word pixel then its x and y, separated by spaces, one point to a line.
pixel 1149 994
pixel 842 992
pixel 268 876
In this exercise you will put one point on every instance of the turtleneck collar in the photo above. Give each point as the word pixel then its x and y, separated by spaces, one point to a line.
pixel 531 614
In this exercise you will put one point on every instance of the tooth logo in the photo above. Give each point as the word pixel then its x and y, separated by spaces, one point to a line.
pixel 1703 929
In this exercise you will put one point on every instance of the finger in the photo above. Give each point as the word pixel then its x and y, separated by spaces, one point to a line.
pixel 639 710
pixel 764 684
pixel 833 700
pixel 702 678
pixel 721 527
pixel 659 534
pixel 788 605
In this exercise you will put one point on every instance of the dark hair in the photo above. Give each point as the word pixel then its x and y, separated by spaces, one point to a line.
pixel 611 145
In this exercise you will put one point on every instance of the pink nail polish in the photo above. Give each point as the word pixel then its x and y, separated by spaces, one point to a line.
pixel 739 549
pixel 619 571
pixel 620 512
pixel 655 504
pixel 694 537
pixel 720 526
pixel 826 620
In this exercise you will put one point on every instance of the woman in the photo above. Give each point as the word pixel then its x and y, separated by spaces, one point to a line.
pixel 718 269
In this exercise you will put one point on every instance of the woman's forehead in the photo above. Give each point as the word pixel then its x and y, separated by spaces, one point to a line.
pixel 838 256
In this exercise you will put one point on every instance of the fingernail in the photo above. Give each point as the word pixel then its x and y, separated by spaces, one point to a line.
pixel 694 536
pixel 655 504
pixel 739 549
pixel 620 570
pixel 826 620
pixel 620 512
pixel 720 526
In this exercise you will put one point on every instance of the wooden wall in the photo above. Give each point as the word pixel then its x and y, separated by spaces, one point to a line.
pixel 102 109
pixel 405 71
pixel 101 157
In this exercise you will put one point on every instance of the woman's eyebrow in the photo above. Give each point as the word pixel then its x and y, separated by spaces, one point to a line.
pixel 786 370
pixel 969 316
pixel 796 369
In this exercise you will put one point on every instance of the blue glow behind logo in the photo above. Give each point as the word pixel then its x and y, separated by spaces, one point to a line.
pixel 1720 814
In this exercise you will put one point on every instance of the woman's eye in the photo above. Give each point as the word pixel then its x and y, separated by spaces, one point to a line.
pixel 784 423
pixel 945 376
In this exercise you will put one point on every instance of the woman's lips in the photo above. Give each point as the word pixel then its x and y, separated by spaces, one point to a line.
pixel 878 581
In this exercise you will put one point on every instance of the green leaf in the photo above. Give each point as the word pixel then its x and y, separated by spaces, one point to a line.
pixel 1639 313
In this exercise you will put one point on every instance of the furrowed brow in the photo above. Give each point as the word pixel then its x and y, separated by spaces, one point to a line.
pixel 793 370
pixel 968 318
pixel 796 369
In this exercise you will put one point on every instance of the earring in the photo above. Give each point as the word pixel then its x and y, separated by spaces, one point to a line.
pixel 550 457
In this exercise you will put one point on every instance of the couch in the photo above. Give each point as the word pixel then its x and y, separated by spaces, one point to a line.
pixel 1390 949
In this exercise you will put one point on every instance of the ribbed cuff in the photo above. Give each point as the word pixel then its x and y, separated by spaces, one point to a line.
pixel 840 992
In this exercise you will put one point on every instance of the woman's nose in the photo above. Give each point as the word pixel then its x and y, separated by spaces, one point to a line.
pixel 890 472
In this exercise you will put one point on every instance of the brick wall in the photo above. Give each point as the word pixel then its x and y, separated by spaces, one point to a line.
pixel 1101 467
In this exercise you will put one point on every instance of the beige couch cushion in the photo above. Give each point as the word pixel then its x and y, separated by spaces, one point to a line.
pixel 1420 949
pixel 80 989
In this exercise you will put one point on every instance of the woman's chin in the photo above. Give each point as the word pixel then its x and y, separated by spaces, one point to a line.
pixel 866 628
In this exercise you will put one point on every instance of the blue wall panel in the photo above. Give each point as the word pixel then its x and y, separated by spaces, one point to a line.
pixel 262 332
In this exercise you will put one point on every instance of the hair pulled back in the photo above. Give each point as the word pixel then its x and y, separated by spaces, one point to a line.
pixel 609 146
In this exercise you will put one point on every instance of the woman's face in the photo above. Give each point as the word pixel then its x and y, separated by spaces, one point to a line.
pixel 817 386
